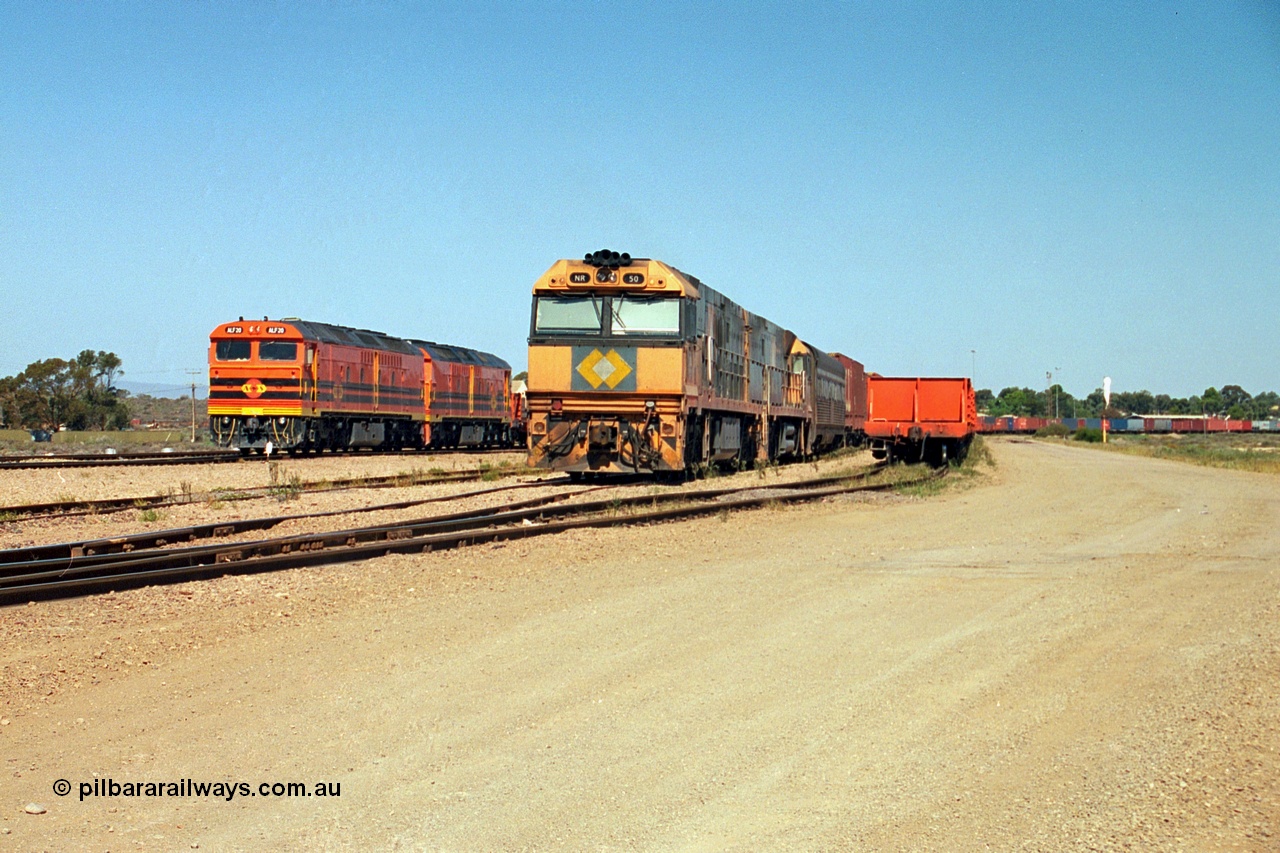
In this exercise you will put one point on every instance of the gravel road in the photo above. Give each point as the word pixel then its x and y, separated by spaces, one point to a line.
pixel 1076 651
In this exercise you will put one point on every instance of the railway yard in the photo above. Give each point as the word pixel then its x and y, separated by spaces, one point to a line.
pixel 1056 648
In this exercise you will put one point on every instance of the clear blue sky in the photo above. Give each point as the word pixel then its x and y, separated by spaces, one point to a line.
pixel 1087 186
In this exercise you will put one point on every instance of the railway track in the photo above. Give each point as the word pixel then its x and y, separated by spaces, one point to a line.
pixel 112 460
pixel 70 574
pixel 88 548
pixel 188 457
pixel 63 509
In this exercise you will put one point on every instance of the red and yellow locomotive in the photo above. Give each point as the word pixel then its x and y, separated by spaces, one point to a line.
pixel 300 386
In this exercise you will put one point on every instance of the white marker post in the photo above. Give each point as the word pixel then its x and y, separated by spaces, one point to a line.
pixel 1106 403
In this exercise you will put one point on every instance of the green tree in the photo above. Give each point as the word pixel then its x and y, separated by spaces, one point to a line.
pixel 1266 406
pixel 45 393
pixel 79 393
pixel 1235 398
pixel 1211 402
pixel 1019 402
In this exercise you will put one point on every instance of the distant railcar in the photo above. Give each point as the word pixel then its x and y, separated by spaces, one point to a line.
pixel 468 397
pixel 855 399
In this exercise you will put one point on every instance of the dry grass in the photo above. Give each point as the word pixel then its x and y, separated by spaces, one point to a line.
pixel 1258 452
pixel 19 440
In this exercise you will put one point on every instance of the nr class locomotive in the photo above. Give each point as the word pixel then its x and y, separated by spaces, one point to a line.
pixel 298 386
pixel 638 367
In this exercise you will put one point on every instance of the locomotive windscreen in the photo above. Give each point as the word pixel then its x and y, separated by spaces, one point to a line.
pixel 231 351
pixel 568 314
pixel 646 315
pixel 278 351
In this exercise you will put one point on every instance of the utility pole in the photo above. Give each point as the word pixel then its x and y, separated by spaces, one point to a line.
pixel 193 374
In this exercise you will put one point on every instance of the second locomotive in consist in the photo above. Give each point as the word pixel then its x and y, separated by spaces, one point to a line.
pixel 298 385
pixel 637 367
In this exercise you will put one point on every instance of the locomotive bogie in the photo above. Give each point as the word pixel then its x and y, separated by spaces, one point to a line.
pixel 307 434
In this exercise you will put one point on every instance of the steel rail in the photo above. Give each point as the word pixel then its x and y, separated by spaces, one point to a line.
pixel 212 530
pixel 15 462
pixel 115 461
pixel 88 456
pixel 424 535
pixel 62 509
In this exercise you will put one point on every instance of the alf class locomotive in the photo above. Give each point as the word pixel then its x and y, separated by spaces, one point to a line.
pixel 304 386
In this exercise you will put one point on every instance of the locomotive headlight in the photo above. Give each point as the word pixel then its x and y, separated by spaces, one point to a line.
pixel 650 405
pixel 226 421
pixel 282 421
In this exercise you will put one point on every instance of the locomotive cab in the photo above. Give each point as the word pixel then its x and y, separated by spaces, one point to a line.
pixel 258 382
pixel 607 359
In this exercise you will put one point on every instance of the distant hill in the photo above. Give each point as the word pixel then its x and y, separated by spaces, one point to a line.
pixel 165 411
pixel 165 390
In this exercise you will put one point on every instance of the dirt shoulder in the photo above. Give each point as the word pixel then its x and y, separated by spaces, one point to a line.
pixel 1079 652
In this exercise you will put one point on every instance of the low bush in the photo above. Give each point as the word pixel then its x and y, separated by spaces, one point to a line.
pixel 1093 436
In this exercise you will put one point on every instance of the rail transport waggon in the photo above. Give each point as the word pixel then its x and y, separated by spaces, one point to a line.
pixel 1152 425
pixel 638 367
pixel 295 385
pixel 918 419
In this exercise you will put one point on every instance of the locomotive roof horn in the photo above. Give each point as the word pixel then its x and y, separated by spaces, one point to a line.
pixel 607 258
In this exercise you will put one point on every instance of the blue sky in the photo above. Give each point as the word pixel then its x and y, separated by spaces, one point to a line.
pixel 1087 187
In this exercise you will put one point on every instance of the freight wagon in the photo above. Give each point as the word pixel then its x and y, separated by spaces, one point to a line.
pixel 920 419
pixel 1007 424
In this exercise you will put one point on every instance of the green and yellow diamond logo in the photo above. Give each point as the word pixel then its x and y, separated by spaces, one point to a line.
pixel 604 369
